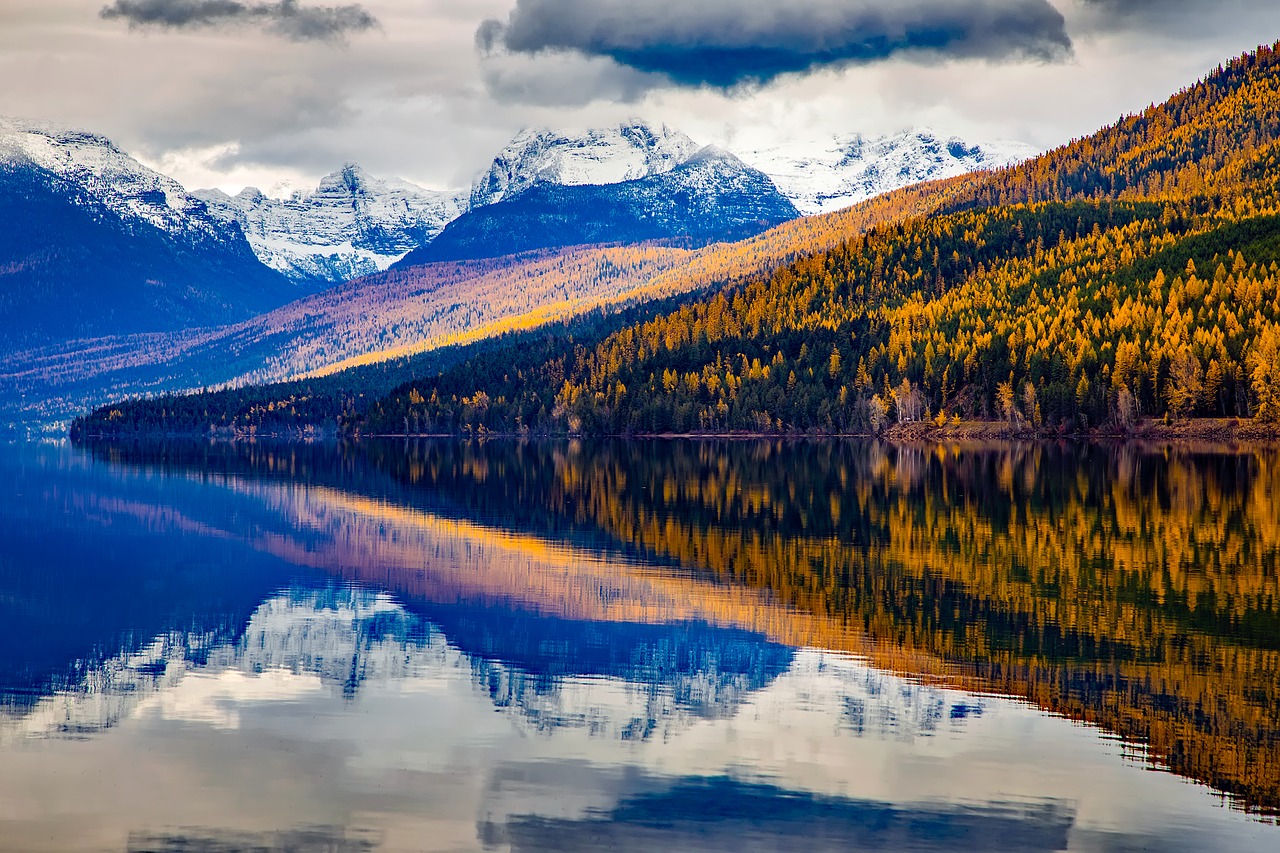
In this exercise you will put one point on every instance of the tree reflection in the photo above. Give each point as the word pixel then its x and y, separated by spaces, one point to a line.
pixel 1135 588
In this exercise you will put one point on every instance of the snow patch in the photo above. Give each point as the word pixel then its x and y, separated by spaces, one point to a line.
pixel 95 164
pixel 610 155
pixel 829 174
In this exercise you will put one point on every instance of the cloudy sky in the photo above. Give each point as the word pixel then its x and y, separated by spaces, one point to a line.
pixel 279 92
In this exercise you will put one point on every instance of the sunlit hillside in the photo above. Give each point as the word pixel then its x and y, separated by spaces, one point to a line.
pixel 1130 274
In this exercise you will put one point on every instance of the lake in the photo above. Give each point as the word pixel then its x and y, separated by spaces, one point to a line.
pixel 684 645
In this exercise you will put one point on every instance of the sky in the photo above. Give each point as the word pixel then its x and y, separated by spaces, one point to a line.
pixel 277 93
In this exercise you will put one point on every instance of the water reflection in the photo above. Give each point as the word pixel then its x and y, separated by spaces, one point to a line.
pixel 1135 588
pixel 695 646
pixel 726 814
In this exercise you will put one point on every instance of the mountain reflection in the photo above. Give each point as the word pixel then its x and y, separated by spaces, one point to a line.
pixel 320 839
pixel 722 814
pixel 629 591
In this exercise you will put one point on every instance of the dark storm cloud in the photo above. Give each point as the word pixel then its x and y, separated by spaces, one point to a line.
pixel 728 43
pixel 284 18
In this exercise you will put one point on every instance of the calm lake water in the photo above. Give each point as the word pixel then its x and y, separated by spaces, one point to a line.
pixel 639 646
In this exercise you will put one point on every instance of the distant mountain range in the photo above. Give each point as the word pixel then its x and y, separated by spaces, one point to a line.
pixel 645 182
pixel 109 269
pixel 839 171
pixel 353 224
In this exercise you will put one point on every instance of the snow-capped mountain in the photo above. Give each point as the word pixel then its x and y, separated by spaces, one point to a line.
pixel 836 172
pixel 95 165
pixel 94 243
pixel 353 224
pixel 711 196
pixel 609 155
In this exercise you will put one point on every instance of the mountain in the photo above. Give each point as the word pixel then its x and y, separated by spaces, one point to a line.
pixel 611 155
pixel 1131 274
pixel 95 243
pixel 105 174
pixel 843 170
pixel 712 196
pixel 353 224
pixel 374 323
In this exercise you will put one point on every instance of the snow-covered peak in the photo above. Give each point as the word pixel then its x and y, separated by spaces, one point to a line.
pixel 96 165
pixel 352 224
pixel 828 174
pixel 609 155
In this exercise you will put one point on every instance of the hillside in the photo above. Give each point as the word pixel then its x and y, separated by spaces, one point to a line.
pixel 1124 275
pixel 1130 273
pixel 332 402
pixel 392 315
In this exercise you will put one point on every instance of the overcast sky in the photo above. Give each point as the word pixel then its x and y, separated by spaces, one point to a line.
pixel 273 92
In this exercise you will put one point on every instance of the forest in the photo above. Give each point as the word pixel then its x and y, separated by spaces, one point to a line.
pixel 1131 274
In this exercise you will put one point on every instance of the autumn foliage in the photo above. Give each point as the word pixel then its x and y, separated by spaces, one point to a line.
pixel 1134 273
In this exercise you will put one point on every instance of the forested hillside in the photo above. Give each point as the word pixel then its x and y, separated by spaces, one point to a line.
pixel 1130 274
pixel 72 267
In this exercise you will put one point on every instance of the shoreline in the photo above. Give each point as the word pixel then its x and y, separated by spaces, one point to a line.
pixel 1197 430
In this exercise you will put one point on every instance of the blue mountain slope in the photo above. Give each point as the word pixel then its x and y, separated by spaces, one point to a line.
pixel 712 197
pixel 70 267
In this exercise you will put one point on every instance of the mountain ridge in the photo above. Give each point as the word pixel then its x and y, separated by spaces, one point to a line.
pixel 837 172
pixel 351 224
pixel 711 197
pixel 96 243
pixel 313 234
